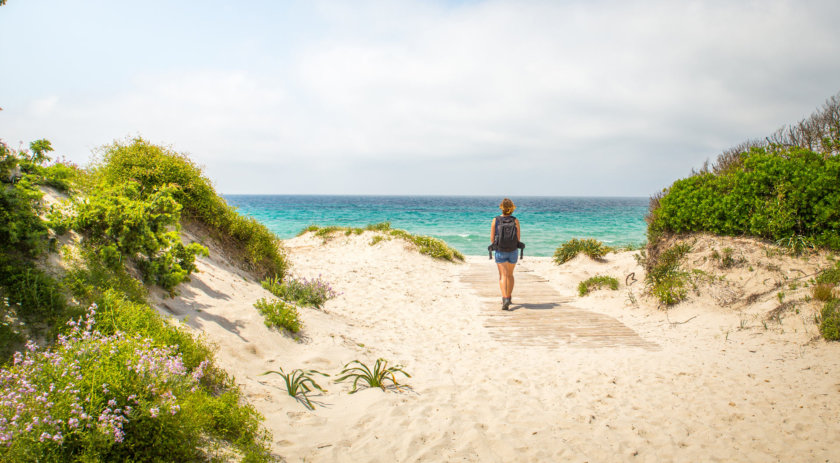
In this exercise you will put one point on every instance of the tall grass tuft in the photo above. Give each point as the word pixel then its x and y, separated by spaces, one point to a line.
pixel 593 248
pixel 428 245
pixel 598 281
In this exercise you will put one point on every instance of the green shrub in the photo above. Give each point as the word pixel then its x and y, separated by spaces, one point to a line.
pixel 21 229
pixel 665 279
pixel 121 224
pixel 598 281
pixel 830 320
pixel 312 292
pixel 593 248
pixel 789 195
pixel 153 167
pixel 38 297
pixel 830 276
pixel 279 314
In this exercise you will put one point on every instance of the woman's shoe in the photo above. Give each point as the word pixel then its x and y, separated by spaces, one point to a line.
pixel 505 303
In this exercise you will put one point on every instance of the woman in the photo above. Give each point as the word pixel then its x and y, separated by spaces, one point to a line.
pixel 502 236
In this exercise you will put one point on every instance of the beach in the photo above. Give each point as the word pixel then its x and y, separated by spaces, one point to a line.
pixel 604 377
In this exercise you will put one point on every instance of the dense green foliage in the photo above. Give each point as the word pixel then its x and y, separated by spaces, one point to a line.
pixel 775 193
pixel 279 314
pixel 153 167
pixel 598 281
pixel 119 223
pixel 108 397
pixel 591 247
pixel 433 247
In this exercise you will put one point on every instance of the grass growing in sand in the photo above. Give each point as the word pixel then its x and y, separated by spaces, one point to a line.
pixel 665 280
pixel 591 247
pixel 433 247
pixel 279 314
pixel 597 282
pixel 299 383
pixel 379 376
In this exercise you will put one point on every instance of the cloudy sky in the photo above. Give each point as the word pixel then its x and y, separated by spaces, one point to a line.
pixel 597 98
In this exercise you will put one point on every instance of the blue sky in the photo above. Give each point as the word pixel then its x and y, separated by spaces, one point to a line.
pixel 605 98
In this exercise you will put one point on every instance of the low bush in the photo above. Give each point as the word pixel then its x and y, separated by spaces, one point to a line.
pixel 830 320
pixel 664 278
pixel 597 282
pixel 121 224
pixel 830 276
pixel 593 248
pixel 279 314
pixel 785 194
pixel 153 167
pixel 94 397
pixel 314 292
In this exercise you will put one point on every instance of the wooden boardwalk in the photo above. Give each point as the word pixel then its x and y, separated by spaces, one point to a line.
pixel 539 316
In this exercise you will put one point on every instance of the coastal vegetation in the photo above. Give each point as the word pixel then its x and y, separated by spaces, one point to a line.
pixel 114 380
pixel 379 376
pixel 593 248
pixel 597 282
pixel 279 314
pixel 300 382
pixel 782 189
pixel 428 245
pixel 306 292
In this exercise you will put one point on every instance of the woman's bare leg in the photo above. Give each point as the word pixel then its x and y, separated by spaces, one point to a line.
pixel 508 278
pixel 502 282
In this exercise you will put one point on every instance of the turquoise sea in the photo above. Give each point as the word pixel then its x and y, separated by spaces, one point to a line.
pixel 461 221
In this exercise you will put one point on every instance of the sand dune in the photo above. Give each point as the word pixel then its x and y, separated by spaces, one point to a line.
pixel 562 378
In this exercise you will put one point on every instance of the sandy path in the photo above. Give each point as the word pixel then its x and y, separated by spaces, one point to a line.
pixel 709 392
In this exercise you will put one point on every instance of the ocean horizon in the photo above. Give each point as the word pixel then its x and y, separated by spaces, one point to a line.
pixel 463 222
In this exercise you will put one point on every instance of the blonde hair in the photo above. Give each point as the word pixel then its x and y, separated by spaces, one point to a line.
pixel 507 206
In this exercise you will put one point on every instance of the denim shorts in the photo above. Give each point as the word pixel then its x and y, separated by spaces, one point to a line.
pixel 502 257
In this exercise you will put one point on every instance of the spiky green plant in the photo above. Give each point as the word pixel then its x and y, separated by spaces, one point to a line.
pixel 299 383
pixel 378 377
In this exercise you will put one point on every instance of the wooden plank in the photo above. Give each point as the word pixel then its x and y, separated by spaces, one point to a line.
pixel 541 317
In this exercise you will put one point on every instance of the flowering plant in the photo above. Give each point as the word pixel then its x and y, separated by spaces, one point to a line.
pixel 90 391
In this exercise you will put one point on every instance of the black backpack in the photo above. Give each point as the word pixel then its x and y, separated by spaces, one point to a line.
pixel 506 240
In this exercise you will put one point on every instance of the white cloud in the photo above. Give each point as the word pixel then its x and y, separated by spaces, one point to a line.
pixel 557 86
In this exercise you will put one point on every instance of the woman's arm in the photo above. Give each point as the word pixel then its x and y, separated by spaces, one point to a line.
pixel 518 232
pixel 493 230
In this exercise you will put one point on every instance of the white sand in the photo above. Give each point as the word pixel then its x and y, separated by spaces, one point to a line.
pixel 719 387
